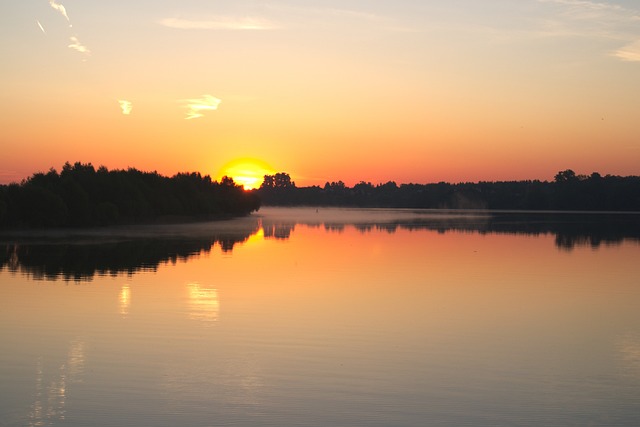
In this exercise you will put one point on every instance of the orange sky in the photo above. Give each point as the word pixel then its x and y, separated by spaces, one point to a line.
pixel 348 90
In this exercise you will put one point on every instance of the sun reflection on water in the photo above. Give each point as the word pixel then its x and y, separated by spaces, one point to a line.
pixel 125 300
pixel 203 303
pixel 51 393
pixel 629 355
pixel 257 236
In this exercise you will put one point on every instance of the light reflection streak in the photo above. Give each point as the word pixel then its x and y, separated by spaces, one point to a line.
pixel 125 300
pixel 50 403
pixel 628 347
pixel 258 236
pixel 76 360
pixel 203 303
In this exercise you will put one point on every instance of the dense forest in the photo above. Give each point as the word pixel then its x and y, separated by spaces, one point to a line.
pixel 568 191
pixel 80 195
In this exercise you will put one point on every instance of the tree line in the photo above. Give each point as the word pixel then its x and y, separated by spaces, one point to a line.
pixel 568 191
pixel 81 195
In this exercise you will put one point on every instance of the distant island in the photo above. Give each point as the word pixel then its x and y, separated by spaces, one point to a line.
pixel 567 192
pixel 82 196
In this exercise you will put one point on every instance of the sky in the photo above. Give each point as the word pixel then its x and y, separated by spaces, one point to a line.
pixel 405 90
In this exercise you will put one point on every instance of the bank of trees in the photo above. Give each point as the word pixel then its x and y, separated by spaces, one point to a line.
pixel 568 191
pixel 81 195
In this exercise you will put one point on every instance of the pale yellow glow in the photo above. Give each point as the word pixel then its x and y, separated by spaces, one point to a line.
pixel 257 237
pixel 196 107
pixel 125 300
pixel 203 303
pixel 247 172
pixel 125 106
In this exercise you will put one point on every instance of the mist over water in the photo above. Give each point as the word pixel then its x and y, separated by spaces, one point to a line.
pixel 77 254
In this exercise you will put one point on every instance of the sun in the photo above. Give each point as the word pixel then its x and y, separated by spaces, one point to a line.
pixel 247 172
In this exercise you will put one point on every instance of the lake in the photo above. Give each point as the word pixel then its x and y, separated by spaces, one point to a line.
pixel 319 317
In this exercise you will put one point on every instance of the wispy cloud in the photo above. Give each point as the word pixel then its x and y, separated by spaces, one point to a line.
pixel 125 106
pixel 196 107
pixel 219 23
pixel 74 41
pixel 585 4
pixel 602 20
pixel 41 27
pixel 588 18
pixel 367 16
pixel 313 15
pixel 630 52
pixel 60 8
pixel 77 46
pixel 379 21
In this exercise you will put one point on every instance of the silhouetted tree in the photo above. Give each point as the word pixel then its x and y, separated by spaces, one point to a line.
pixel 566 176
pixel 82 196
pixel 279 188
pixel 283 180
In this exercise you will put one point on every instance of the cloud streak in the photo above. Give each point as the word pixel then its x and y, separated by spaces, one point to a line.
pixel 75 43
pixel 630 52
pixel 60 8
pixel 603 20
pixel 349 17
pixel 586 4
pixel 125 106
pixel 77 46
pixel 592 18
pixel 219 23
pixel 196 107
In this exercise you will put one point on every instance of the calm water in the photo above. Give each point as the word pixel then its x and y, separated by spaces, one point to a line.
pixel 294 317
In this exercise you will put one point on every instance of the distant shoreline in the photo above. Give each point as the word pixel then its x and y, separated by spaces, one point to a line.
pixel 568 192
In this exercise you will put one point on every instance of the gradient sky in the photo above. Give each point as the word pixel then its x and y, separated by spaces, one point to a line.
pixel 411 91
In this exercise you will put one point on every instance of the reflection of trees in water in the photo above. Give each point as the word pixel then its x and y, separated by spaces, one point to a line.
pixel 75 261
pixel 570 229
pixel 337 228
pixel 81 261
pixel 278 231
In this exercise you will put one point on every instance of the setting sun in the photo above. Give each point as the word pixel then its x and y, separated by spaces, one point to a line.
pixel 247 172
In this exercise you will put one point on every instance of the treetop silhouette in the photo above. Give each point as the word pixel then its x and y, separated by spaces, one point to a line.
pixel 80 195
